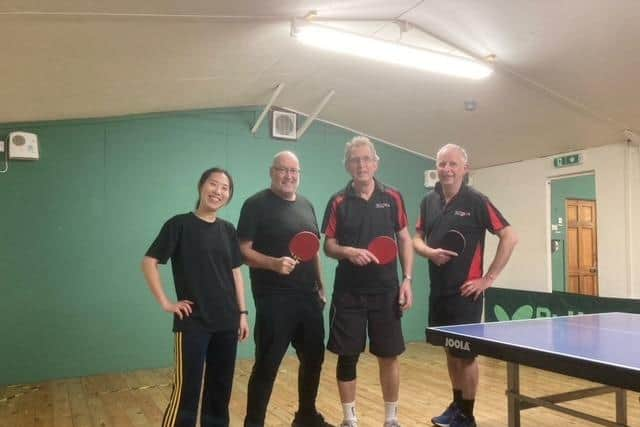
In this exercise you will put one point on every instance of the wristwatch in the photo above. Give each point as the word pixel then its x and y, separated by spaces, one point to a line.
pixel 244 312
pixel 406 277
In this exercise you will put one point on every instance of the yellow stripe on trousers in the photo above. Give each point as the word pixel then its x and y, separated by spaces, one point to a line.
pixel 171 412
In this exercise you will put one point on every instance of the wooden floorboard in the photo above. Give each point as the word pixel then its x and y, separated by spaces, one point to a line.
pixel 138 399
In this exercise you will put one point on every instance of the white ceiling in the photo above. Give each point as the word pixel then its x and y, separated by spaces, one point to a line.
pixel 567 71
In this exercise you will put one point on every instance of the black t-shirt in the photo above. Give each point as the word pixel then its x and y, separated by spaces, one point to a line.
pixel 469 212
pixel 270 222
pixel 203 255
pixel 355 222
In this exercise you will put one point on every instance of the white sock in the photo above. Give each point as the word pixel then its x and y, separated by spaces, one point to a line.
pixel 390 411
pixel 349 411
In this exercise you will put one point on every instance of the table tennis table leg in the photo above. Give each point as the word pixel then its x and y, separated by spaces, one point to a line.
pixel 513 394
pixel 621 407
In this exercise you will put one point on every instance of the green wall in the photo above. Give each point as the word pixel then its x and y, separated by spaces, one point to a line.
pixel 76 223
pixel 579 187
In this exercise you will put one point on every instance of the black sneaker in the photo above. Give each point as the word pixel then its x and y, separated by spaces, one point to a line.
pixel 444 419
pixel 462 420
pixel 313 420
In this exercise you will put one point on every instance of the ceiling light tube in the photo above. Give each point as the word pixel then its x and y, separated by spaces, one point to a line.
pixel 395 53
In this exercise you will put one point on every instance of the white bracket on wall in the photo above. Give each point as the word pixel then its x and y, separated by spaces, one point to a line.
pixel 267 107
pixel 315 113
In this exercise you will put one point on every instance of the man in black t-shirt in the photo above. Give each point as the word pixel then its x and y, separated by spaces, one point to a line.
pixel 367 297
pixel 288 294
pixel 457 280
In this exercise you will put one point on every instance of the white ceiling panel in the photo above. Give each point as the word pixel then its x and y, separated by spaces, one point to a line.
pixel 566 71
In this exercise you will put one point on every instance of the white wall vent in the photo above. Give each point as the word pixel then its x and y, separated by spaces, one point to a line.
pixel 23 146
pixel 283 124
pixel 430 178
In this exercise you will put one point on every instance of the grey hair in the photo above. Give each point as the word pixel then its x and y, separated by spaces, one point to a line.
pixel 456 147
pixel 358 141
pixel 283 153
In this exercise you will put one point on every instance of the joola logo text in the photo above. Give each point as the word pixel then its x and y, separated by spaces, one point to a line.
pixel 382 205
pixel 457 344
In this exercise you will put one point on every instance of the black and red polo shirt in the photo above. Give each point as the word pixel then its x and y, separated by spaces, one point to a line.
pixel 355 222
pixel 471 213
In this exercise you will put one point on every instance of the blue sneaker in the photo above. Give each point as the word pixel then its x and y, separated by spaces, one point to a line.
pixel 444 419
pixel 462 420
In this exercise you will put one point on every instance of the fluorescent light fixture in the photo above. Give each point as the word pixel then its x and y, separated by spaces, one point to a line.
pixel 395 53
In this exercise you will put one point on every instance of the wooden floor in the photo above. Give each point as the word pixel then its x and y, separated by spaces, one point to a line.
pixel 139 398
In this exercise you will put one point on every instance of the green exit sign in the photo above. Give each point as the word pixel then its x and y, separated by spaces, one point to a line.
pixel 568 160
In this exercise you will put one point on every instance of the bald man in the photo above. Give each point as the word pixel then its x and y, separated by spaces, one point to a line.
pixel 457 279
pixel 289 295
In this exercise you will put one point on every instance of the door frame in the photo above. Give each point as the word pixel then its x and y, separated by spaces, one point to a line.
pixel 549 234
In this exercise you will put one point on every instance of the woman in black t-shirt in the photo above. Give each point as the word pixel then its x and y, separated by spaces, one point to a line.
pixel 210 315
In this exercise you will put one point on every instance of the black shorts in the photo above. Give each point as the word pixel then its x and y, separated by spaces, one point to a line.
pixel 455 309
pixel 353 315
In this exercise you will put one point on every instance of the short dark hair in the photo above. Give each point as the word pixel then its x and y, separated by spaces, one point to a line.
pixel 206 174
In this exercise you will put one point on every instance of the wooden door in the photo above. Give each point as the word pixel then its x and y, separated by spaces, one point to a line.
pixel 582 247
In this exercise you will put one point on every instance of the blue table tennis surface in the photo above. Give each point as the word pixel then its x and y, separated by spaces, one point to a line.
pixel 612 339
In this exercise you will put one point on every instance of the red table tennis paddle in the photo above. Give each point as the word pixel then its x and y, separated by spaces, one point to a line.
pixel 304 246
pixel 384 248
pixel 453 241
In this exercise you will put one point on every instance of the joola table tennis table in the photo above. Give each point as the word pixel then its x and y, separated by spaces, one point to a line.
pixel 603 348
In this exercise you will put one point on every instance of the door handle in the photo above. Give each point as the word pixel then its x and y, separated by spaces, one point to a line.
pixel 593 270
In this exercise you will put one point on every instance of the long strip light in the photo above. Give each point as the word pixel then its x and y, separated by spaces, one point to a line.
pixel 381 50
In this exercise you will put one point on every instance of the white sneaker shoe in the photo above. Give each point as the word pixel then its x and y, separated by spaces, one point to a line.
pixel 348 423
pixel 393 423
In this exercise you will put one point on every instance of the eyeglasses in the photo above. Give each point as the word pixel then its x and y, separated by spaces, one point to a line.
pixel 366 160
pixel 284 171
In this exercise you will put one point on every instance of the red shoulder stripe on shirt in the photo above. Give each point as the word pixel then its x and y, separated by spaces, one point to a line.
pixel 402 212
pixel 496 222
pixel 331 225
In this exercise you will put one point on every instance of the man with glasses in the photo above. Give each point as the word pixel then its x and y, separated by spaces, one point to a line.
pixel 367 295
pixel 288 295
